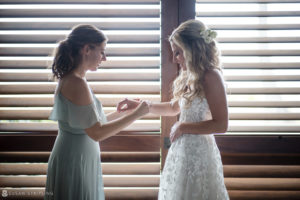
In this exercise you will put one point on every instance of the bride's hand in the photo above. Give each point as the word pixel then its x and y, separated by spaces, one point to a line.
pixel 175 132
pixel 127 104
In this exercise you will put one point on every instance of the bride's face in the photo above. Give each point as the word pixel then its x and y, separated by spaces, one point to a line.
pixel 178 56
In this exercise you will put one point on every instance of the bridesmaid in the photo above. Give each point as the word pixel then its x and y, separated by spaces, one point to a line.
pixel 74 166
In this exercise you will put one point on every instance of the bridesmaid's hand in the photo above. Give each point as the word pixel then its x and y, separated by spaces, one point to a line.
pixel 175 132
pixel 127 104
pixel 143 108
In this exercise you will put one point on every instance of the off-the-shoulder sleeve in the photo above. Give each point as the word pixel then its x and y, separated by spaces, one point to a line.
pixel 79 117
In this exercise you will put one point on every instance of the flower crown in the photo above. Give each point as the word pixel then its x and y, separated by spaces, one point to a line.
pixel 208 35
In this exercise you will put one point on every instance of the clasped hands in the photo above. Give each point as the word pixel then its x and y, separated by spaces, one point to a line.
pixel 144 107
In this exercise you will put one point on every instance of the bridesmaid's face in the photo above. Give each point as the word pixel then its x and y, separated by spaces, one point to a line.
pixel 96 56
pixel 178 56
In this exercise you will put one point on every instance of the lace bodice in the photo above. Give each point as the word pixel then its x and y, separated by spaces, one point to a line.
pixel 197 111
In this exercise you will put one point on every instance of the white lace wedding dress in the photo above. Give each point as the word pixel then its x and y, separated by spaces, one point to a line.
pixel 193 169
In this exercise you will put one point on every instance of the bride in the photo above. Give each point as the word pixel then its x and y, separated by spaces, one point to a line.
pixel 193 168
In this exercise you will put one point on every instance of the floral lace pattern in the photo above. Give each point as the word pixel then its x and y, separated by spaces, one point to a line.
pixel 193 168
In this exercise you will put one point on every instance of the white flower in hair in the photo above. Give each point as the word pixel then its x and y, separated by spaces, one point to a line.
pixel 208 35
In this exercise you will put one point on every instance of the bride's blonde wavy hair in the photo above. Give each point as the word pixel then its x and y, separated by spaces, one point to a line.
pixel 200 53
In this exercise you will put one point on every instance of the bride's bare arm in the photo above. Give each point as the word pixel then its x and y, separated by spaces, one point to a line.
pixel 165 108
pixel 160 108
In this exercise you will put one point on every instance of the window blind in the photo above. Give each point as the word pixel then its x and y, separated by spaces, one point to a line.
pixel 260 46
pixel 259 41
pixel 29 31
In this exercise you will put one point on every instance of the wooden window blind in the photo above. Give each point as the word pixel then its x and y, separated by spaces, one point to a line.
pixel 259 41
pixel 29 31
pixel 28 35
pixel 260 46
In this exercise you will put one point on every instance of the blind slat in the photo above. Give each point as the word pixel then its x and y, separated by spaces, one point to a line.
pixel 44 62
pixel 153 181
pixel 153 125
pixel 139 125
pixel 255 171
pixel 20 113
pixel 261 65
pixel 100 75
pixel 138 87
pixel 134 168
pixel 108 181
pixel 234 87
pixel 258 39
pixel 252 26
pixel 48 99
pixel 134 50
pixel 21 36
pixel 112 50
pixel 264 126
pixel 151 193
pixel 68 23
pixel 85 10
pixel 153 61
pixel 247 13
pixel 150 75
pixel 78 1
pixel 248 1
pixel 255 100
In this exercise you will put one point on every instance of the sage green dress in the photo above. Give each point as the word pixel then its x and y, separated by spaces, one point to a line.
pixel 74 167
